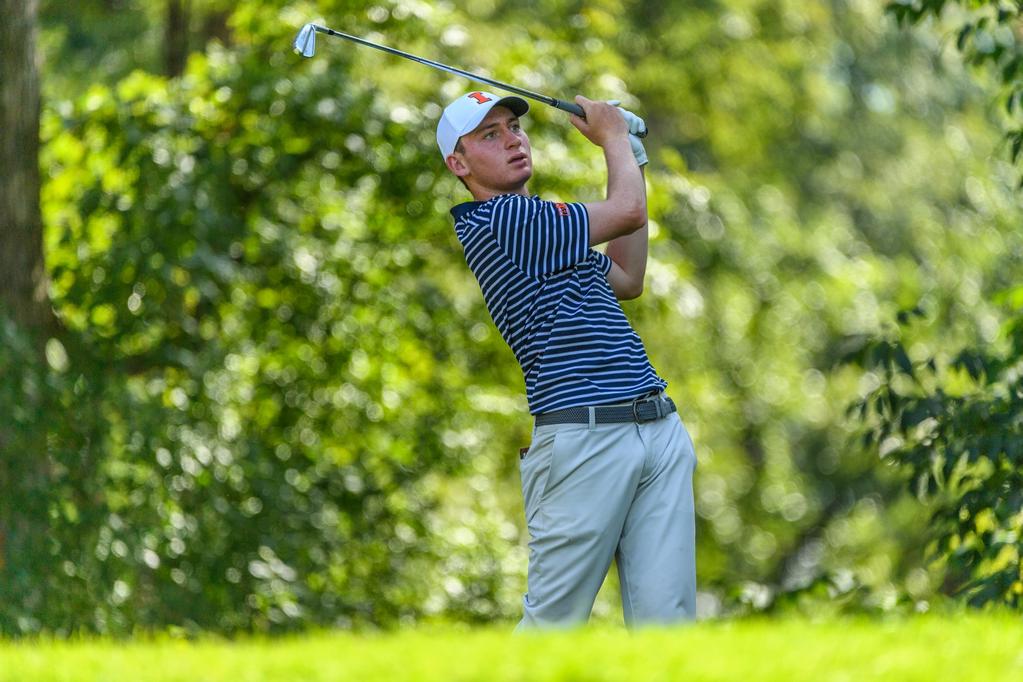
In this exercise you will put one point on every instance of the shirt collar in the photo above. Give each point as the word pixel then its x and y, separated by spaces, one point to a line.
pixel 464 209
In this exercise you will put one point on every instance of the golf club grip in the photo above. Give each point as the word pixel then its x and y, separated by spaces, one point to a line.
pixel 573 108
pixel 570 107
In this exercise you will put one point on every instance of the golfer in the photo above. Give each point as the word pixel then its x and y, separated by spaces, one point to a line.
pixel 609 472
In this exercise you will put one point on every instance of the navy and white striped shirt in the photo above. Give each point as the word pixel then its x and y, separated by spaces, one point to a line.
pixel 548 294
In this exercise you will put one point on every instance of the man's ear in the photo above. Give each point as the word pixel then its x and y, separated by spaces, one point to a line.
pixel 456 164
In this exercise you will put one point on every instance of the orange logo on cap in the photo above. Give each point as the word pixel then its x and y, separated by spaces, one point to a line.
pixel 479 97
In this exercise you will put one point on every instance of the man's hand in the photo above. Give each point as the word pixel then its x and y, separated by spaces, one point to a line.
pixel 604 123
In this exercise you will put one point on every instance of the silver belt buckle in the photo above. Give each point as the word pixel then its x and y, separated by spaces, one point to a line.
pixel 656 400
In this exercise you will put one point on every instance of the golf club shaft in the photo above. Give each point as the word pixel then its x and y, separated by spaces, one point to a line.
pixel 570 107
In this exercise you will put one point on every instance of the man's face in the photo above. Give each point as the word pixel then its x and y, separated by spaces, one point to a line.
pixel 495 157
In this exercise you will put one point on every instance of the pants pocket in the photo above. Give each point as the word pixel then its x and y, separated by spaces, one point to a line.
pixel 534 470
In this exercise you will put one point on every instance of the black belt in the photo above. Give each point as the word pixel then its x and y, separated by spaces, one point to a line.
pixel 640 410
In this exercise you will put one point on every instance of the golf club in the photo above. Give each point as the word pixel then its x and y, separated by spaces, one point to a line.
pixel 305 44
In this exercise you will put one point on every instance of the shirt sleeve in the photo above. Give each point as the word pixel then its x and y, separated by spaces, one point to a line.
pixel 542 237
pixel 602 260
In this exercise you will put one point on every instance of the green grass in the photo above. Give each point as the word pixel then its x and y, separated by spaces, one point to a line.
pixel 930 648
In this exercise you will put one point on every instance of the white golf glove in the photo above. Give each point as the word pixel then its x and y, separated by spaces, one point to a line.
pixel 636 126
pixel 638 150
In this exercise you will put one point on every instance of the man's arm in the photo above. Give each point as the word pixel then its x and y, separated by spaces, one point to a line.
pixel 624 210
pixel 620 219
pixel 628 262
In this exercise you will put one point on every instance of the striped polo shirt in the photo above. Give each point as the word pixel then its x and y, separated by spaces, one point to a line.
pixel 548 294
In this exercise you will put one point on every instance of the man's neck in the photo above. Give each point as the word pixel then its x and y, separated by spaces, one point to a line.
pixel 486 193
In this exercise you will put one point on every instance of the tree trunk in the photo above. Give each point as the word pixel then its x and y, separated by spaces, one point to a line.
pixel 214 26
pixel 23 299
pixel 23 284
pixel 176 37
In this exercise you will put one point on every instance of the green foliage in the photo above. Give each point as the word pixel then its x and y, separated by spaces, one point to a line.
pixel 987 35
pixel 267 364
pixel 278 399
pixel 952 421
pixel 804 210
pixel 955 427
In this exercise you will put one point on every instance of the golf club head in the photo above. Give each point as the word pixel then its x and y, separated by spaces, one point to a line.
pixel 305 41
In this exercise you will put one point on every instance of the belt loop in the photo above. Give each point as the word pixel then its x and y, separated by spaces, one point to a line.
pixel 593 417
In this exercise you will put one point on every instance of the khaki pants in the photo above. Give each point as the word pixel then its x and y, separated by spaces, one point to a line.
pixel 622 491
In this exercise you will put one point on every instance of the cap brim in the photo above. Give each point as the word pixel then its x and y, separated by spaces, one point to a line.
pixel 517 105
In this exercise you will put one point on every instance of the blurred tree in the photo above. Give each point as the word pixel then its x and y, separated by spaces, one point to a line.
pixel 24 304
pixel 22 270
pixel 188 26
pixel 176 36
pixel 954 426
pixel 952 421
pixel 280 399
pixel 989 34
pixel 791 123
pixel 103 40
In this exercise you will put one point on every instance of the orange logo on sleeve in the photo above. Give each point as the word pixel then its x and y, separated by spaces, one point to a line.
pixel 562 209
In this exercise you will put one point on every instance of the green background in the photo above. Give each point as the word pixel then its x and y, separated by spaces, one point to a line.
pixel 277 400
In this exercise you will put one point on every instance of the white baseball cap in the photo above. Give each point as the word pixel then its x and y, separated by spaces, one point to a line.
pixel 465 113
